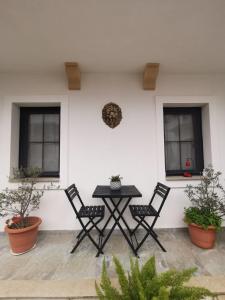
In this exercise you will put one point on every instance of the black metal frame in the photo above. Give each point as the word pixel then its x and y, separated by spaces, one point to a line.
pixel 117 201
pixel 25 112
pixel 198 141
pixel 117 220
pixel 140 212
pixel 71 193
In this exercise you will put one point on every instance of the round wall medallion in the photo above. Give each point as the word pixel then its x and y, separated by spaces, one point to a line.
pixel 112 114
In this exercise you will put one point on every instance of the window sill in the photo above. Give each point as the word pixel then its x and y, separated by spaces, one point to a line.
pixel 182 178
pixel 40 179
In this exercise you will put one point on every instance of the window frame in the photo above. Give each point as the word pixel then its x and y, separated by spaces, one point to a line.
pixel 25 112
pixel 196 113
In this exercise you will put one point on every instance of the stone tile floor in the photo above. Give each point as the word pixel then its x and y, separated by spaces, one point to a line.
pixel 51 259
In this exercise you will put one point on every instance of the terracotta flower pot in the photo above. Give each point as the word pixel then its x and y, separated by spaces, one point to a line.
pixel 24 239
pixel 203 238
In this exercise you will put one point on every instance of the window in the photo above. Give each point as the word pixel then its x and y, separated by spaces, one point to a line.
pixel 183 140
pixel 40 139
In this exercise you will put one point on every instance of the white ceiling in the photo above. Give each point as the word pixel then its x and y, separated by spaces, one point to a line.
pixel 185 36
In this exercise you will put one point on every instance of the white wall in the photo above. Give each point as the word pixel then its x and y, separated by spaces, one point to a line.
pixel 92 152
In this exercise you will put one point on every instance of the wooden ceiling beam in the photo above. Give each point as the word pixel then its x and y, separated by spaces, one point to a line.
pixel 150 76
pixel 73 75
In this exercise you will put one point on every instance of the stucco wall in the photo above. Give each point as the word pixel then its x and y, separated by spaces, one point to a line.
pixel 91 152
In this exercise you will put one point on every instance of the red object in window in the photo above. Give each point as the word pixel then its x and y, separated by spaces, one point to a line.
pixel 187 174
pixel 187 165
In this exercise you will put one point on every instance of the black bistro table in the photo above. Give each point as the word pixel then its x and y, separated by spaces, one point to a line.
pixel 116 209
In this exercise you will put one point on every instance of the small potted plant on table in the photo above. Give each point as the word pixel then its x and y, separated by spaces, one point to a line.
pixel 205 215
pixel 115 182
pixel 22 229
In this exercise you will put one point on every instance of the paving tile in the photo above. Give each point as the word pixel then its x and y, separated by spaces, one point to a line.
pixel 27 298
pixel 51 270
pixel 51 259
pixel 83 288
pixel 92 298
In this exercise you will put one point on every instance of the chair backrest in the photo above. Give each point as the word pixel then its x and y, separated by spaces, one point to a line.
pixel 71 193
pixel 163 191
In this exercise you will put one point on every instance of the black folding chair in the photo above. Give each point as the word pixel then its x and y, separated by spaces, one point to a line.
pixel 94 215
pixel 140 212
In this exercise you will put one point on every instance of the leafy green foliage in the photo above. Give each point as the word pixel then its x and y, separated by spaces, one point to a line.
pixel 110 292
pixel 115 178
pixel 145 284
pixel 21 201
pixel 208 200
pixel 202 218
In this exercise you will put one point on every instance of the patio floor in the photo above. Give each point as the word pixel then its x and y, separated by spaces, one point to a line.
pixel 51 259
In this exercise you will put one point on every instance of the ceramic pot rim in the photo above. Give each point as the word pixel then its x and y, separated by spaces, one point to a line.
pixel 20 230
pixel 211 227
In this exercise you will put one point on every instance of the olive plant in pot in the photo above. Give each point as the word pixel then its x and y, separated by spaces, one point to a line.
pixel 22 228
pixel 205 216
pixel 115 182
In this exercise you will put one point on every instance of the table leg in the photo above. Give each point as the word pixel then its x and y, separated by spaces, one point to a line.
pixel 112 228
pixel 121 216
pixel 117 219
pixel 110 217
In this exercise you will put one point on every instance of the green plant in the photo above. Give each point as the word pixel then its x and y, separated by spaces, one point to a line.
pixel 21 201
pixel 208 200
pixel 145 284
pixel 202 218
pixel 115 178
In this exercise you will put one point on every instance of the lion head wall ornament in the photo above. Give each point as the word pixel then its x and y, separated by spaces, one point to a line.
pixel 112 114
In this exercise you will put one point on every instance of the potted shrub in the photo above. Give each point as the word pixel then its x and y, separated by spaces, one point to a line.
pixel 19 203
pixel 115 182
pixel 204 217
pixel 144 283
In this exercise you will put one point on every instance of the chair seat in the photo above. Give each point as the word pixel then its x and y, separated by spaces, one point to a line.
pixel 91 211
pixel 142 211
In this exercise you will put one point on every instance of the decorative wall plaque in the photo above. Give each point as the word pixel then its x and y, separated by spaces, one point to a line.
pixel 112 114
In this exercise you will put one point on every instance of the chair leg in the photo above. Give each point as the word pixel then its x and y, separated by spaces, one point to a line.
pixel 93 241
pixel 158 242
pixel 91 221
pixel 153 232
pixel 150 231
pixel 135 229
pixel 77 244
pixel 146 224
pixel 99 230
pixel 86 232
pixel 82 230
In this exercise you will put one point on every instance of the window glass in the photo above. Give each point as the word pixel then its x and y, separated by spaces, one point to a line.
pixel 40 139
pixel 36 128
pixel 172 156
pixel 35 155
pixel 51 157
pixel 183 140
pixel 51 128
pixel 186 128
pixel 171 127
pixel 187 153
